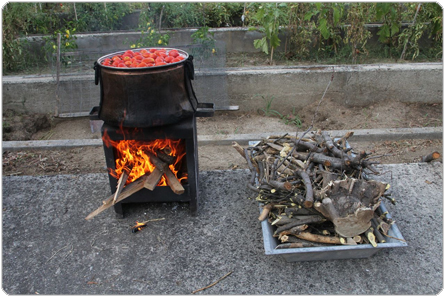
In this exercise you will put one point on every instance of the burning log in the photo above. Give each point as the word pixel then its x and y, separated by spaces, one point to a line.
pixel 172 180
pixel 146 181
pixel 316 175
pixel 120 184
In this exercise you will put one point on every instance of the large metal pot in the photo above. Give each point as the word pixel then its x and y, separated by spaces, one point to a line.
pixel 148 96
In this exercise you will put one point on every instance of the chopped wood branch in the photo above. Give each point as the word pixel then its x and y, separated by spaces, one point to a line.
pixel 319 238
pixel 430 157
pixel 126 192
pixel 211 285
pixel 120 184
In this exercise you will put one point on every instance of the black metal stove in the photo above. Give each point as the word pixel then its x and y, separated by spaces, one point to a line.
pixel 184 130
pixel 141 106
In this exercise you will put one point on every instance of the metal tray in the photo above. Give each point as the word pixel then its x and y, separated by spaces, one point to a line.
pixel 329 252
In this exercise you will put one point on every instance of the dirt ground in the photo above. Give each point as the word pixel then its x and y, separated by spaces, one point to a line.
pixel 221 157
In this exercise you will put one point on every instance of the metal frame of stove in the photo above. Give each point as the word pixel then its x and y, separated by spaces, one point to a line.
pixel 186 130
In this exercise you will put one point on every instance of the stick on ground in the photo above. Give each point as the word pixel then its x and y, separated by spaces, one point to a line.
pixel 211 285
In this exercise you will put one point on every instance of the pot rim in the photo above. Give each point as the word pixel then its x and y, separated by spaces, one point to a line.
pixel 144 68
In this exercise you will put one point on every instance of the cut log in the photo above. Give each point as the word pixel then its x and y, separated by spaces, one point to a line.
pixel 265 212
pixel 430 157
pixel 153 179
pixel 173 182
pixel 120 184
pixel 309 199
pixel 319 238
pixel 351 205
pixel 239 149
pixel 309 220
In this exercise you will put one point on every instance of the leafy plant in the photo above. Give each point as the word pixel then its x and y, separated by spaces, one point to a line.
pixel 101 15
pixel 425 17
pixel 291 118
pixel 390 14
pixel 356 33
pixel 270 16
pixel 328 22
pixel 176 15
pixel 67 43
pixel 16 23
pixel 205 42
pixel 222 14
pixel 150 38
pixel 300 31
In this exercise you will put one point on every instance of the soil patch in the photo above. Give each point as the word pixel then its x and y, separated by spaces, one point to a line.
pixel 330 116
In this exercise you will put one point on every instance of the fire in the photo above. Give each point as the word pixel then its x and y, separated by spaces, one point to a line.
pixel 133 156
pixel 138 227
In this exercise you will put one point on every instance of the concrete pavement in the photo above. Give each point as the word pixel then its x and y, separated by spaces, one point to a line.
pixel 48 247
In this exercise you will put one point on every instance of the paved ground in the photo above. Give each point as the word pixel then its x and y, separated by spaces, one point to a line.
pixel 48 247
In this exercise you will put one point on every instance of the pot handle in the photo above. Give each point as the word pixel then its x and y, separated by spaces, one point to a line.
pixel 96 68
pixel 190 75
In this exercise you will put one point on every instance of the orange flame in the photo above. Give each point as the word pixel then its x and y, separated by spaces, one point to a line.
pixel 131 155
pixel 138 227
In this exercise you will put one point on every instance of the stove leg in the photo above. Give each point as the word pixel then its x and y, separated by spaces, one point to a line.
pixel 194 206
pixel 119 210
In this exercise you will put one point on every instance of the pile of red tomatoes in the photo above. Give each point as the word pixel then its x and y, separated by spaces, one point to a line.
pixel 144 58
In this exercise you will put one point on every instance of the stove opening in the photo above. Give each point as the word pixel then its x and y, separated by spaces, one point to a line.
pixel 158 164
pixel 136 158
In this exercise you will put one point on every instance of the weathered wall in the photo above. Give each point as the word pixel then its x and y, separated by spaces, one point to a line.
pixel 359 85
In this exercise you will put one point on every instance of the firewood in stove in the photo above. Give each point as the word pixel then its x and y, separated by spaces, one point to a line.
pixel 153 179
pixel 172 180
pixel 126 192
pixel 165 157
pixel 430 157
pixel 120 184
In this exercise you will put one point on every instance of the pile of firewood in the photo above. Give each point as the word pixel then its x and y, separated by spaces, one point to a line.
pixel 317 191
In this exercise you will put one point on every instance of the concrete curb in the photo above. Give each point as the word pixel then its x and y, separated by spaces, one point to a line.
pixel 243 139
